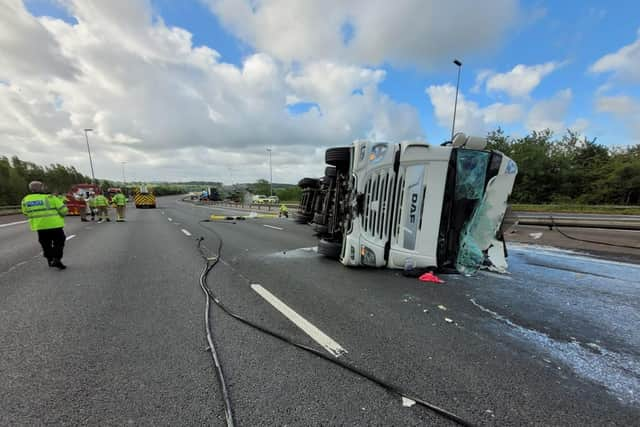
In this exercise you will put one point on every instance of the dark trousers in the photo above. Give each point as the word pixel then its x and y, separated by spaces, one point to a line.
pixel 52 242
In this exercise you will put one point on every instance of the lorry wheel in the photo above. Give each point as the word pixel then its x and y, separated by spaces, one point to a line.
pixel 309 183
pixel 338 157
pixel 318 219
pixel 329 249
pixel 321 229
pixel 330 171
pixel 301 219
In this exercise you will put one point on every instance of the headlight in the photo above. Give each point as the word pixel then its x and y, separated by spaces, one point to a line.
pixel 367 256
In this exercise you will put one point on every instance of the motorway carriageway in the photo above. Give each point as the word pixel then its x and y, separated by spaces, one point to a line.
pixel 119 337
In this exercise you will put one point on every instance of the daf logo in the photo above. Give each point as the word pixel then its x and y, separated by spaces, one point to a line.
pixel 414 207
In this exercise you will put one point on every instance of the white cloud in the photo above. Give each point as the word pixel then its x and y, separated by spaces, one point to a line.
pixel 470 117
pixel 520 80
pixel 402 32
pixel 172 110
pixel 550 113
pixel 626 109
pixel 624 64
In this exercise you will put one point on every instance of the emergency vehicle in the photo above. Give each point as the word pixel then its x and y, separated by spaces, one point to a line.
pixel 412 204
pixel 143 197
pixel 77 195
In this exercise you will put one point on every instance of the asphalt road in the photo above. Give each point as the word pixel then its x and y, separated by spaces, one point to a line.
pixel 118 337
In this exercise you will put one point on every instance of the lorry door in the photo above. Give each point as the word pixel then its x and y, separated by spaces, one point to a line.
pixel 419 192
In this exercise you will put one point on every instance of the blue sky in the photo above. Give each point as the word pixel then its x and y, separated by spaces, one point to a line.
pixel 578 32
pixel 334 87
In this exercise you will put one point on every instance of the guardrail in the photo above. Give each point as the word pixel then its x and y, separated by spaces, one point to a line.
pixel 9 210
pixel 587 221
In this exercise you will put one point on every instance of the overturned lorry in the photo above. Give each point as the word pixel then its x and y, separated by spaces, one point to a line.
pixel 412 205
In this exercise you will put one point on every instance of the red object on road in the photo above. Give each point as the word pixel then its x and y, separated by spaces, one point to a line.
pixel 430 277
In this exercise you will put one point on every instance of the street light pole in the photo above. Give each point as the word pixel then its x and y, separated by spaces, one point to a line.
pixel 270 174
pixel 86 137
pixel 455 105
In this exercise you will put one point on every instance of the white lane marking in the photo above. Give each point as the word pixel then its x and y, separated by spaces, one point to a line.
pixel 13 223
pixel 169 219
pixel 186 232
pixel 271 226
pixel 316 334
pixel 71 237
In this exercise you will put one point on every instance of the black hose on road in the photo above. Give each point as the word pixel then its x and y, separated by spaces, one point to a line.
pixel 553 224
pixel 210 263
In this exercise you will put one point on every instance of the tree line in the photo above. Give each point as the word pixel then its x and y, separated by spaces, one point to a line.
pixel 16 174
pixel 570 169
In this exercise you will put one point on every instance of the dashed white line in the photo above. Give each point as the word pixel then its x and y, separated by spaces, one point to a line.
pixel 186 232
pixel 13 223
pixel 275 228
pixel 70 237
pixel 316 334
pixel 169 219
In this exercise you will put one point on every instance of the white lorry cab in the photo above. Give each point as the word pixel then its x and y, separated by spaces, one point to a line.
pixel 414 205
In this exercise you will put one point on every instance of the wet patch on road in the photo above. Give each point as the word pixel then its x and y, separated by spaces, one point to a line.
pixel 572 310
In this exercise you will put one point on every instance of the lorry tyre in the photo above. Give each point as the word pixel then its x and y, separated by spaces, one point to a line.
pixel 301 219
pixel 318 219
pixel 309 183
pixel 338 157
pixel 321 229
pixel 329 249
pixel 330 171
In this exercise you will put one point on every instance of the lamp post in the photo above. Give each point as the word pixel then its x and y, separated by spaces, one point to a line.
pixel 455 105
pixel 270 174
pixel 86 137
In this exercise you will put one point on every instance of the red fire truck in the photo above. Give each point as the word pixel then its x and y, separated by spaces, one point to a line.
pixel 77 195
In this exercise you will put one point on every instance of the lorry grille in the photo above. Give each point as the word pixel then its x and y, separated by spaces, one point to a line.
pixel 378 204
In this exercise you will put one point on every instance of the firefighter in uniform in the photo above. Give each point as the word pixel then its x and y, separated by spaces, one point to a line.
pixel 102 203
pixel 284 211
pixel 120 201
pixel 46 216
pixel 91 202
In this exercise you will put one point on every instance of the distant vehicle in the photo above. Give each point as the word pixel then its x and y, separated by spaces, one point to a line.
pixel 210 194
pixel 273 200
pixel 77 195
pixel 394 205
pixel 143 197
pixel 259 199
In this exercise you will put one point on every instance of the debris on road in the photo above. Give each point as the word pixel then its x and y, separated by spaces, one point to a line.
pixel 442 307
pixel 446 319
pixel 408 403
pixel 535 236
pixel 430 277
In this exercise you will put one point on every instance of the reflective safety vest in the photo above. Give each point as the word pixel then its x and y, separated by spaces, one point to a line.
pixel 119 199
pixel 91 201
pixel 284 208
pixel 44 211
pixel 101 201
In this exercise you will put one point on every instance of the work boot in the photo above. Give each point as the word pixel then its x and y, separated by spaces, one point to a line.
pixel 58 264
pixel 84 220
pixel 108 219
pixel 99 221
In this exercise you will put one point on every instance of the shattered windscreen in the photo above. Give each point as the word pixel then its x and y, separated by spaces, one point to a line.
pixel 471 171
